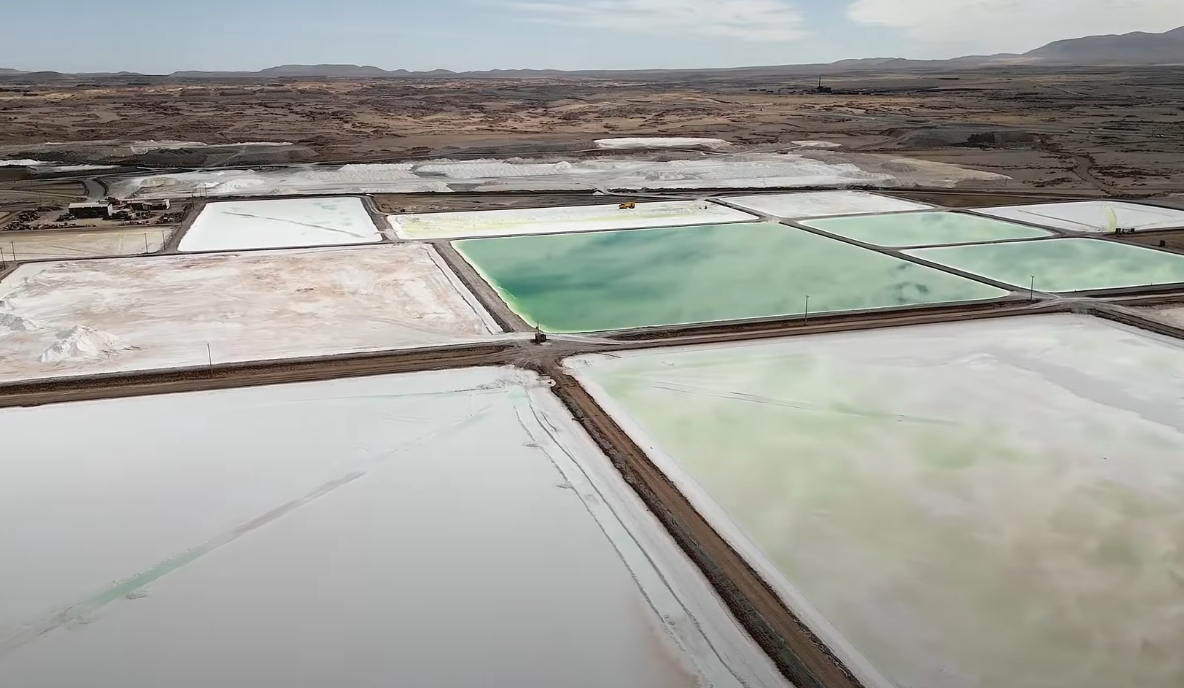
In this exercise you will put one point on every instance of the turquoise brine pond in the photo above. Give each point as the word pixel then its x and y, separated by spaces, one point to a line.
pixel 652 277
pixel 1063 265
pixel 925 229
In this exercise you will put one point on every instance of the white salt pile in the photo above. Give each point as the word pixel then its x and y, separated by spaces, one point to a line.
pixel 81 343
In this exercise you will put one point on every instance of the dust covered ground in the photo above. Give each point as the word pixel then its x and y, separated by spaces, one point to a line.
pixel 1099 130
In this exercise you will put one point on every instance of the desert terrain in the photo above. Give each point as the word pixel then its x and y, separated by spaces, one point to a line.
pixel 1094 130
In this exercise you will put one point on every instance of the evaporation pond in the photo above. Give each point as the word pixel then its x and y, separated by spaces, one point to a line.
pixel 87 317
pixel 562 220
pixel 823 204
pixel 924 229
pixel 283 223
pixel 1062 265
pixel 652 277
pixel 1092 216
pixel 960 505
pixel 448 529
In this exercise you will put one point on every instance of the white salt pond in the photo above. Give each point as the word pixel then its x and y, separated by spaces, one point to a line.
pixel 817 144
pixel 636 173
pixel 139 147
pixel 1093 217
pixel 443 176
pixel 285 223
pixel 658 142
pixel 125 314
pixel 563 220
pixel 44 167
pixel 92 243
pixel 970 505
pixel 822 204
pixel 449 529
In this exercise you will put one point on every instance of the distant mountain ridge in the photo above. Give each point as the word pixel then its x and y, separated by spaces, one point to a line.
pixel 1131 49
pixel 1127 49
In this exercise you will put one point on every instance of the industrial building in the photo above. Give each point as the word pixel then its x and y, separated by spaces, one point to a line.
pixel 81 211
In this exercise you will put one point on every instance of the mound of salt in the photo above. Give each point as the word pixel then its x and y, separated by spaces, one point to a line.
pixel 81 343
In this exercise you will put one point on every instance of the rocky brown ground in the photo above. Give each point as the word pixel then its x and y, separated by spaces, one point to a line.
pixel 1104 130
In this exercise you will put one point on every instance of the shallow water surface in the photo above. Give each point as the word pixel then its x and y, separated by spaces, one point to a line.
pixel 1063 265
pixel 924 229
pixel 651 277
pixel 970 505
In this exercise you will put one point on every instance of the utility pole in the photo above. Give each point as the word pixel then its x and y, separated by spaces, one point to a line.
pixel 807 307
pixel 1032 289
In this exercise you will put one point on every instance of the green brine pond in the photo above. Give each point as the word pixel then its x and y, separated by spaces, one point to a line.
pixel 990 504
pixel 651 277
pixel 925 229
pixel 1063 265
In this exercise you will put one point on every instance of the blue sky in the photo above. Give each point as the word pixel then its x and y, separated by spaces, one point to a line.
pixel 162 36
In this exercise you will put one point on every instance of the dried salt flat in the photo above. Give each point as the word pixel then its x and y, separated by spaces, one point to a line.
pixel 139 147
pixel 658 142
pixel 448 529
pixel 730 170
pixel 563 220
pixel 1094 217
pixel 290 181
pixel 822 204
pixel 949 506
pixel 104 316
pixel 284 223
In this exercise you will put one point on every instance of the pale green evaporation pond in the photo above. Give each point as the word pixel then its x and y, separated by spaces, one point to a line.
pixel 648 277
pixel 1062 265
pixel 924 229
pixel 971 505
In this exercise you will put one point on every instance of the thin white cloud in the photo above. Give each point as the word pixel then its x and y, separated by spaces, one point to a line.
pixel 750 20
pixel 1015 25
